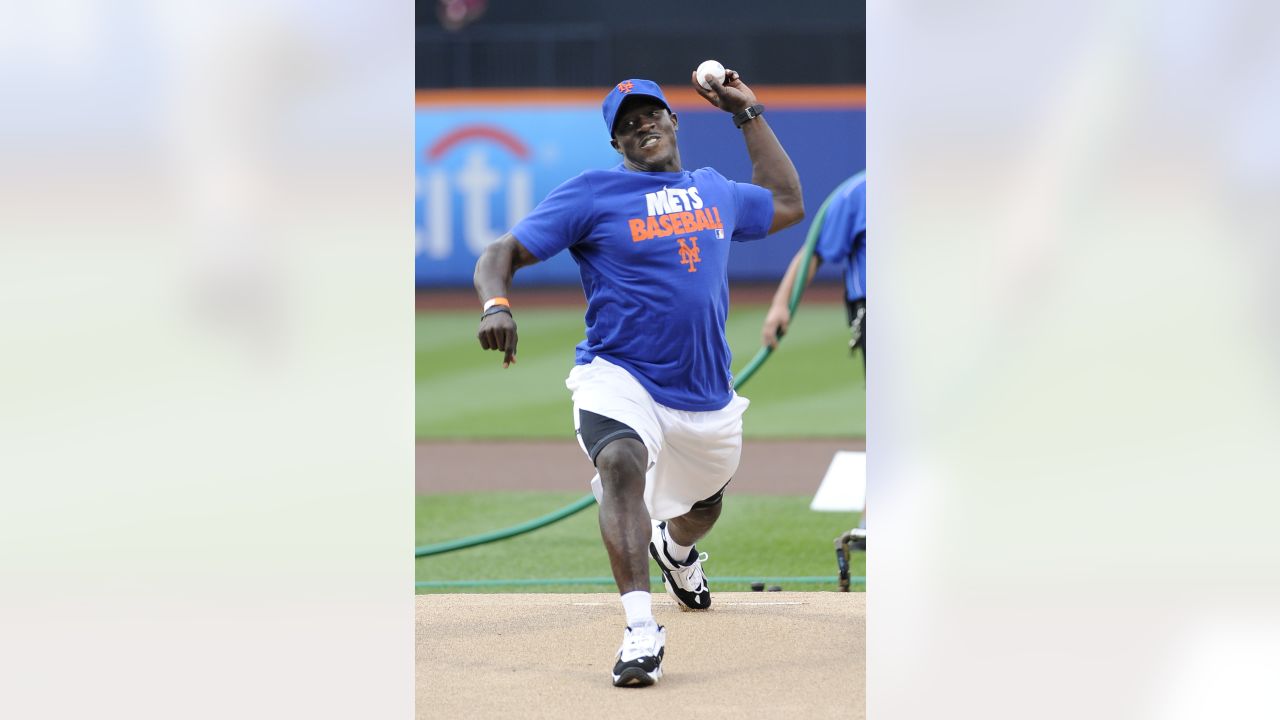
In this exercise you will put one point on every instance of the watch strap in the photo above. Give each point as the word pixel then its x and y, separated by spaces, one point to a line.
pixel 751 112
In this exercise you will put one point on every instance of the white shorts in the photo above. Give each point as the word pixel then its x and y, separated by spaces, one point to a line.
pixel 692 455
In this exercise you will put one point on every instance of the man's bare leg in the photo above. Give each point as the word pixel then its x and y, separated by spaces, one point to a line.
pixel 624 519
pixel 694 525
pixel 625 528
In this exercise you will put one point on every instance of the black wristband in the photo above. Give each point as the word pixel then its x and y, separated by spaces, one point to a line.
pixel 496 309
pixel 750 113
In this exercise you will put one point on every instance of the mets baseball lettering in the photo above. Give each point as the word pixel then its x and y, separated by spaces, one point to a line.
pixel 674 212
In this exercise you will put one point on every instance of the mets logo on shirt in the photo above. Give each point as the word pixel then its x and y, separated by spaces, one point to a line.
pixel 677 214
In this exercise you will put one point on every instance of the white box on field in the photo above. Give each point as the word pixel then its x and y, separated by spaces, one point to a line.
pixel 844 487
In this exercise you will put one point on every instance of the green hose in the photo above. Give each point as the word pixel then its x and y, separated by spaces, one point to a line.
pixel 810 240
pixel 562 513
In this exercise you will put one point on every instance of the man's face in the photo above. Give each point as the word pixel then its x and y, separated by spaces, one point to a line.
pixel 645 132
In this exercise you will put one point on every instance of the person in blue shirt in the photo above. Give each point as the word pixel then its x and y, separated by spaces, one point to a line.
pixel 653 400
pixel 842 239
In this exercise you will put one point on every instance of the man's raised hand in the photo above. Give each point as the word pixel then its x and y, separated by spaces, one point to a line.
pixel 732 96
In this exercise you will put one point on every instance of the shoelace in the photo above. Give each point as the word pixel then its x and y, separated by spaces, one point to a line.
pixel 691 574
pixel 639 643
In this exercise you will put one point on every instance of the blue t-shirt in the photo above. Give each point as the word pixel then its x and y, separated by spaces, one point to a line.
pixel 844 234
pixel 653 251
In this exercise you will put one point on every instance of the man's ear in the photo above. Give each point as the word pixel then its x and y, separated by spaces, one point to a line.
pixel 614 143
pixel 675 120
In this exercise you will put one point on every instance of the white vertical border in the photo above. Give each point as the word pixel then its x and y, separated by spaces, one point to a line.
pixel 1072 395
pixel 206 423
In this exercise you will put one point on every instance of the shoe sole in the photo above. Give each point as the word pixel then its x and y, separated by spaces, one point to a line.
pixel 637 677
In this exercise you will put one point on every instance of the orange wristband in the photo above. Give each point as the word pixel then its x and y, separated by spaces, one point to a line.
pixel 496 301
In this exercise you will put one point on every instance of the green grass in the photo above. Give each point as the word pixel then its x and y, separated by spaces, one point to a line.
pixel 810 387
pixel 757 536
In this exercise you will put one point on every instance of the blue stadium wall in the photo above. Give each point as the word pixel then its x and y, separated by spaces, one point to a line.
pixel 484 158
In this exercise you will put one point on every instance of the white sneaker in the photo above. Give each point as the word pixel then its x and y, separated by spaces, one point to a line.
pixel 640 657
pixel 683 580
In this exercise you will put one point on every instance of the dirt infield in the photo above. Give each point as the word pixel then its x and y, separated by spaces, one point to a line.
pixel 768 467
pixel 752 655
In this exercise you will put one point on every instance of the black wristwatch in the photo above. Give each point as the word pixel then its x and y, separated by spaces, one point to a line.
pixel 751 113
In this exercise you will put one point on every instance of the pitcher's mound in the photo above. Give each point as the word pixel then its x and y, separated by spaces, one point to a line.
pixel 752 655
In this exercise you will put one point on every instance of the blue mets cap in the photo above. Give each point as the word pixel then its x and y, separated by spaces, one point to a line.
pixel 626 89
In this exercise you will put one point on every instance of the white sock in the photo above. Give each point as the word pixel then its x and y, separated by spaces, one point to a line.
pixel 639 608
pixel 679 552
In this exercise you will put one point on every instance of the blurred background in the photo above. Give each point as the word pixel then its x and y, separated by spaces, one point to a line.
pixel 508 107
pixel 204 212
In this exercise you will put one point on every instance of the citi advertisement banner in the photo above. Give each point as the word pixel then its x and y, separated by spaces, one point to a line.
pixel 483 166
pixel 480 171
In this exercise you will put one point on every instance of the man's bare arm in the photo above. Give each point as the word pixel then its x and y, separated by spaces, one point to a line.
pixel 778 318
pixel 771 168
pixel 494 270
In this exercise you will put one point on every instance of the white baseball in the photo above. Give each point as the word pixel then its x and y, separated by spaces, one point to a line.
pixel 712 68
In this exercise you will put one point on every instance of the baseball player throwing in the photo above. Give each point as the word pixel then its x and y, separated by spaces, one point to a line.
pixel 653 400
